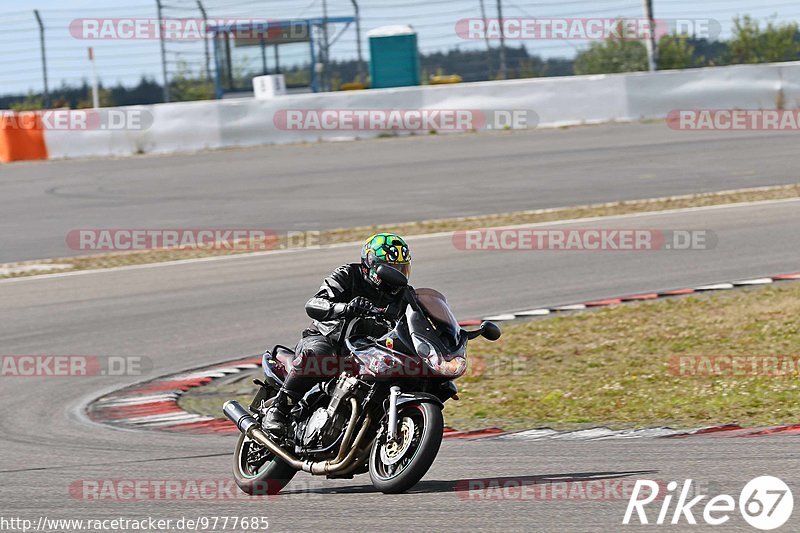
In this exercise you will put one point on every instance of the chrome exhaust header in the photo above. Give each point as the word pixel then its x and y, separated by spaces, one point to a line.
pixel 250 427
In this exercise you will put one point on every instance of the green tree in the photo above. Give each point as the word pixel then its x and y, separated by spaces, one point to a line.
pixel 187 86
pixel 752 44
pixel 615 54
pixel 529 68
pixel 675 51
pixel 32 102
pixel 298 76
pixel 104 96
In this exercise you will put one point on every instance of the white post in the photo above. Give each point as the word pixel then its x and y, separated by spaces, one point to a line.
pixel 95 84
pixel 502 40
pixel 650 40
pixel 486 38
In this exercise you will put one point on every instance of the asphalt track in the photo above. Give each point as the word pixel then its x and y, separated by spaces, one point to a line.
pixel 187 315
pixel 331 185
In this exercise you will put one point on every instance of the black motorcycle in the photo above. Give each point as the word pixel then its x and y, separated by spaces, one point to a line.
pixel 382 413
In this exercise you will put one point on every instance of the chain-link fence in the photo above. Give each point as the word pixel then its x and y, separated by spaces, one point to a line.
pixel 45 60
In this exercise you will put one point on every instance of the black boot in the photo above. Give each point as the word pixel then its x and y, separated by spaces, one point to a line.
pixel 277 416
pixel 276 420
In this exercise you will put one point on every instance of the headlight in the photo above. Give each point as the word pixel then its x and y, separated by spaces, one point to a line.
pixel 423 347
pixel 427 351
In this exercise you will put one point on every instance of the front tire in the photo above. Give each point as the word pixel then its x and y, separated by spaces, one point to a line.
pixel 396 467
pixel 265 475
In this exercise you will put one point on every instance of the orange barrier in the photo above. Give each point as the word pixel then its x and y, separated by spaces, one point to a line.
pixel 21 137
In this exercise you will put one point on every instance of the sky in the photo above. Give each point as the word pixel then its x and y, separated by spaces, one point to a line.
pixel 127 61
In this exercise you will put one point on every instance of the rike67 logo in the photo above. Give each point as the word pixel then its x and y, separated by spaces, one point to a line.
pixel 765 503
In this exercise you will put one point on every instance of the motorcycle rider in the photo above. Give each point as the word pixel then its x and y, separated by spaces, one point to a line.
pixel 351 291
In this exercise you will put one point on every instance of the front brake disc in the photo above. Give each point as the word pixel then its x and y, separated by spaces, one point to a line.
pixel 392 452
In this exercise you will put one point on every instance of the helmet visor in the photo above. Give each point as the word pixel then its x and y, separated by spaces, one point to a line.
pixel 404 268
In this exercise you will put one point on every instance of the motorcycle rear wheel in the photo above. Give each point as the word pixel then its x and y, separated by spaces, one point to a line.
pixel 396 467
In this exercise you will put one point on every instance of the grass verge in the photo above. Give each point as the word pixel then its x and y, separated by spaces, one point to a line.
pixel 327 237
pixel 615 367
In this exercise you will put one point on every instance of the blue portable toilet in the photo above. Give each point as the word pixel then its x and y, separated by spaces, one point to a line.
pixel 394 57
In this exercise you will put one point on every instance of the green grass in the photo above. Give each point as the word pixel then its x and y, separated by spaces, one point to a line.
pixel 612 366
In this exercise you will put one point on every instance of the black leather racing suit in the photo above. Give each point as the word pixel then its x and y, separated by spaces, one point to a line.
pixel 323 338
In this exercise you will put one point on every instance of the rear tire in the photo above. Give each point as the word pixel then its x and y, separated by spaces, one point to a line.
pixel 411 461
pixel 270 477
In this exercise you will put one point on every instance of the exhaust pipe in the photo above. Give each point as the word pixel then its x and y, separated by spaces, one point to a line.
pixel 239 415
pixel 248 425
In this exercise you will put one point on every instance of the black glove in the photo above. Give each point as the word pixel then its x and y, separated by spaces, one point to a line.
pixel 358 306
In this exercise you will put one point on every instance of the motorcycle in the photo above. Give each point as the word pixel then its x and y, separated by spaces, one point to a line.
pixel 382 414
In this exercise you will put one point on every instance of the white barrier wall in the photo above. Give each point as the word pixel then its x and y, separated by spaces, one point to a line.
pixel 191 126
pixel 734 87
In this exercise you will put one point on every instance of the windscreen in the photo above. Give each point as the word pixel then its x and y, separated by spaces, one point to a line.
pixel 435 305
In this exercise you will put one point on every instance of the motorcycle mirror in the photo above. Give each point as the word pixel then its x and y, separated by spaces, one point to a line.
pixel 391 276
pixel 490 331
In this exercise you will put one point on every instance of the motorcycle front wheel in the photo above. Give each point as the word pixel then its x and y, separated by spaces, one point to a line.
pixel 397 466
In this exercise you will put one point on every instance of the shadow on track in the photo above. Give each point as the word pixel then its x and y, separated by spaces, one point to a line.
pixel 465 485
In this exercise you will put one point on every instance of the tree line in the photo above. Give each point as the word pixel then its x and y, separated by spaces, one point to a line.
pixel 751 42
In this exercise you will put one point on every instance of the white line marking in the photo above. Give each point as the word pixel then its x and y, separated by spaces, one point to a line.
pixel 715 287
pixel 500 318
pixel 196 418
pixel 228 369
pixel 641 433
pixel 198 375
pixel 533 312
pixel 531 434
pixel 600 433
pixel 759 281
pixel 175 416
pixel 584 434
pixel 36 267
pixel 572 307
pixel 122 402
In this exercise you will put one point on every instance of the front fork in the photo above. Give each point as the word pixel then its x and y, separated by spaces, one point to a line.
pixel 391 430
pixel 448 390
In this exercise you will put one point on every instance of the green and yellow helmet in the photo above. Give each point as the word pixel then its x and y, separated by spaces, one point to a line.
pixel 385 248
